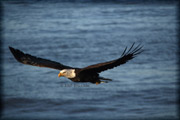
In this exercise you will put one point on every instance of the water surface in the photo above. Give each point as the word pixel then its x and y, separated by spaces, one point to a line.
pixel 81 34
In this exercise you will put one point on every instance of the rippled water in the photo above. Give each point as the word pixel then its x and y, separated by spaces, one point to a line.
pixel 81 34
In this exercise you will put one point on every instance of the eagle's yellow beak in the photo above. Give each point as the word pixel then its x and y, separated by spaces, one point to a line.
pixel 59 75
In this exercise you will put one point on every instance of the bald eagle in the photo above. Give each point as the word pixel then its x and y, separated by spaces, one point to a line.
pixel 86 74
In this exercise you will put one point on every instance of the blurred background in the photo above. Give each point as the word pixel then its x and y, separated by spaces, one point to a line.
pixel 79 33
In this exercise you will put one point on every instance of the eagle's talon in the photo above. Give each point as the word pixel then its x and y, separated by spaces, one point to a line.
pixel 97 83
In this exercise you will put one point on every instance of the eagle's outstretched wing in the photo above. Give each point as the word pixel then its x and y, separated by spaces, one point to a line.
pixel 35 61
pixel 126 56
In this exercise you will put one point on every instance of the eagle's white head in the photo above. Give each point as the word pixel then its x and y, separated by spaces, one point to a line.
pixel 68 73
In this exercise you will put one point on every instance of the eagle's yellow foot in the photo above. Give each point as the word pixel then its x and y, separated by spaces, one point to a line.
pixel 97 83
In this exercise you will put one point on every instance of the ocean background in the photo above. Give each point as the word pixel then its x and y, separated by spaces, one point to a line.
pixel 82 33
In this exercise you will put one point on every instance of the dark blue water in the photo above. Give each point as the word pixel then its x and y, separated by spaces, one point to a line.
pixel 81 34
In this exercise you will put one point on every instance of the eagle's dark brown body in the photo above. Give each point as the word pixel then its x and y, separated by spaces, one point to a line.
pixel 86 74
pixel 86 77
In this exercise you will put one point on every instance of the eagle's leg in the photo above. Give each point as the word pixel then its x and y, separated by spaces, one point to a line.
pixel 97 83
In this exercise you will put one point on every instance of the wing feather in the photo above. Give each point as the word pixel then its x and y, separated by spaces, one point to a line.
pixel 35 61
pixel 125 57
